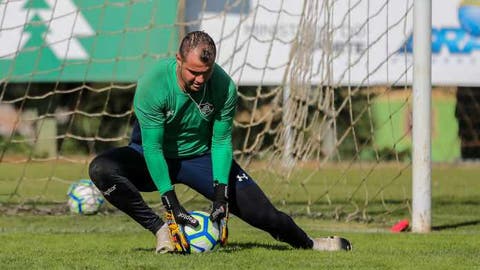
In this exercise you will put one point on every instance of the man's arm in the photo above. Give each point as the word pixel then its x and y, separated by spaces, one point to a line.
pixel 149 108
pixel 148 104
pixel 222 156
pixel 222 149
pixel 152 142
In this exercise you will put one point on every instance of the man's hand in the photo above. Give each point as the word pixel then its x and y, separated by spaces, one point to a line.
pixel 219 206
pixel 174 216
pixel 220 210
pixel 170 201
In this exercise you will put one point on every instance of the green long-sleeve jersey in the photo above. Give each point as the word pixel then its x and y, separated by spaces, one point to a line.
pixel 175 124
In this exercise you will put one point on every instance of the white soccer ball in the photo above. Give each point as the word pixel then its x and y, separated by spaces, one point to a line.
pixel 205 237
pixel 84 197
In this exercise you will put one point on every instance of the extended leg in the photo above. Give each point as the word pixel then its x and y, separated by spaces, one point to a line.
pixel 120 173
pixel 246 199
pixel 249 203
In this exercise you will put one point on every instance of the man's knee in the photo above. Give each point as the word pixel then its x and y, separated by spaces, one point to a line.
pixel 101 169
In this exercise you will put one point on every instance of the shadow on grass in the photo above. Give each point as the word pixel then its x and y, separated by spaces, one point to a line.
pixel 456 225
pixel 233 247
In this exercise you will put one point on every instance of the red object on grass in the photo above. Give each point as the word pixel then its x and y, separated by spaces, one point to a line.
pixel 400 226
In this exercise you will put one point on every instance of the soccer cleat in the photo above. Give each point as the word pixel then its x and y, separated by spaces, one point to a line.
pixel 331 243
pixel 164 243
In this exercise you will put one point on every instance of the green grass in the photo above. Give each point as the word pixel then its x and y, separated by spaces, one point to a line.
pixel 114 241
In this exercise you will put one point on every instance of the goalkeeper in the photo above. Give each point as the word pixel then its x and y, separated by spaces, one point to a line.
pixel 185 108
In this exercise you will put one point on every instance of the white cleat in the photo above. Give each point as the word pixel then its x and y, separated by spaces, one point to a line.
pixel 331 243
pixel 164 244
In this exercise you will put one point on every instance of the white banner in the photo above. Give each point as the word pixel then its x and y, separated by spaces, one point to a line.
pixel 353 42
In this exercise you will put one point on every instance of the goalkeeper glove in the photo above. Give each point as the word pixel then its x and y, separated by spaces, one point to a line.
pixel 170 201
pixel 175 215
pixel 220 210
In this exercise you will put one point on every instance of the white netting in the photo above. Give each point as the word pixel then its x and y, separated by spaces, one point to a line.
pixel 322 86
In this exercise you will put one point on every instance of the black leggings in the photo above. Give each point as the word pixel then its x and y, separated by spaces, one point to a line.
pixel 121 173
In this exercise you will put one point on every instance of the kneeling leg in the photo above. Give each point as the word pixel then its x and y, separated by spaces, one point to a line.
pixel 119 174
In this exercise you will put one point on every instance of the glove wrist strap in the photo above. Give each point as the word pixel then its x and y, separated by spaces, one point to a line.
pixel 220 192
pixel 169 200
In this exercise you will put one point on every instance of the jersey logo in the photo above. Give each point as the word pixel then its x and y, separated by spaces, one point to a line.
pixel 242 177
pixel 206 108
pixel 170 113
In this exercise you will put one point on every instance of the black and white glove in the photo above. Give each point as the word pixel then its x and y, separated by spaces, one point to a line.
pixel 171 203
pixel 220 211
pixel 220 205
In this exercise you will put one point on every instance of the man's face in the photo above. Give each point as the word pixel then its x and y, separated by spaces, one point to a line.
pixel 192 73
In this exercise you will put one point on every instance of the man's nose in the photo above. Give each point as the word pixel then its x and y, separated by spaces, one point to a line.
pixel 200 79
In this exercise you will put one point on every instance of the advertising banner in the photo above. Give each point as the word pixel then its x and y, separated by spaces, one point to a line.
pixel 352 42
pixel 88 40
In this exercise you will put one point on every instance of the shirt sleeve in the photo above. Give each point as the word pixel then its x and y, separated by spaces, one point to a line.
pixel 222 149
pixel 149 110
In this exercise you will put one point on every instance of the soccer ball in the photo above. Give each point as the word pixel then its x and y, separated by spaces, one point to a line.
pixel 205 236
pixel 84 197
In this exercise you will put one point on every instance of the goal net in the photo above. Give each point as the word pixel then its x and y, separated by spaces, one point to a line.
pixel 323 119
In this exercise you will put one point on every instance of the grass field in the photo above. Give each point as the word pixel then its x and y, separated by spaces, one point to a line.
pixel 112 241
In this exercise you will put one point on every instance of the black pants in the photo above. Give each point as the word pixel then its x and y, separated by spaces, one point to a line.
pixel 121 174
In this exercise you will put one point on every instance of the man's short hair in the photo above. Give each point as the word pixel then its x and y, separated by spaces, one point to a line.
pixel 197 39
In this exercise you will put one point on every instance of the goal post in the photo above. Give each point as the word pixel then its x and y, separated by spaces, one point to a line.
pixel 422 117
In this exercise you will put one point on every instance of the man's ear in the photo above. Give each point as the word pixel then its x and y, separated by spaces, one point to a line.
pixel 179 58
